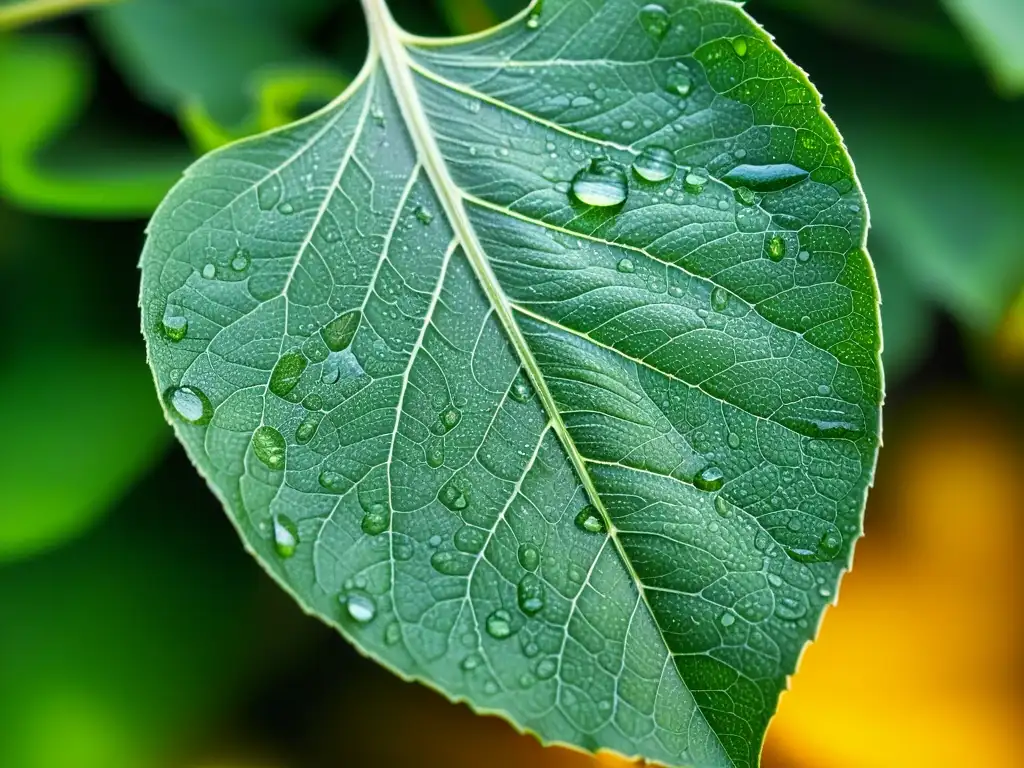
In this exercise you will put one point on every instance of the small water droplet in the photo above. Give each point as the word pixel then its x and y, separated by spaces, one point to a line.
pixel 339 333
pixel 286 536
pixel 530 594
pixel 499 624
pixel 655 20
pixel 655 164
pixel 308 428
pixel 589 520
pixel 241 260
pixel 449 419
pixel 626 266
pixel 734 440
pixel 270 448
pixel 694 183
pixel 335 482
pixel 174 327
pixel 470 539
pixel 189 404
pixel 268 194
pixel 435 453
pixel 471 662
pixel 709 479
pixel 393 633
pixel 286 208
pixel 678 82
pixel 375 521
pixel 287 373
pixel 521 391
pixel 423 215
pixel 451 563
pixel 529 557
pixel 603 184
pixel 209 272
pixel 789 608
pixel 722 507
pixel 804 256
pixel 675 292
pixel 739 44
pixel 774 177
pixel 728 619
pixel 546 669
pixel 719 299
pixel 745 196
pixel 453 497
pixel 776 248
pixel 361 608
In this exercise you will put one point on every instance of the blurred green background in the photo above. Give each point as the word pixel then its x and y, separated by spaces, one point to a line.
pixel 134 630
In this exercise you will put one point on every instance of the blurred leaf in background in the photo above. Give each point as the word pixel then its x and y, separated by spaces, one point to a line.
pixel 995 27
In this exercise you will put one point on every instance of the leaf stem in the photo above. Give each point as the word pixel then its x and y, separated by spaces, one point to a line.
pixel 21 14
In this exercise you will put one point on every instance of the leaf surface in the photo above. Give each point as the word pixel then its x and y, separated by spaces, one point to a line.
pixel 496 373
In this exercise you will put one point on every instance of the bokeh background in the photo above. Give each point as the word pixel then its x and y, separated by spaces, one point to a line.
pixel 134 630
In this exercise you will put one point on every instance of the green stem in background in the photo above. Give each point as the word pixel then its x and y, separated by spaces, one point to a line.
pixel 887 28
pixel 21 14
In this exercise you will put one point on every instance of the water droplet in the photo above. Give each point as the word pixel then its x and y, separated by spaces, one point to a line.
pixel 470 540
pixel 402 547
pixel 546 669
pixel 827 548
pixel 803 257
pixel 734 440
pixel 774 579
pixel 241 260
pixel 269 446
pixel 286 536
pixel 334 482
pixel 189 404
pixel 529 557
pixel 655 20
pixel 626 266
pixel 739 45
pixel 393 633
pixel 338 333
pixel 745 196
pixel 453 497
pixel 675 292
pixel 678 82
pixel 499 625
pixel 287 373
pixel 521 391
pixel 728 619
pixel 452 563
pixel 209 272
pixel 790 608
pixel 655 164
pixel 765 178
pixel 423 215
pixel 313 402
pixel 722 507
pixel 268 194
pixel 530 594
pixel 471 662
pixel 286 208
pixel 308 428
pixel 174 327
pixel 694 183
pixel 602 185
pixel 719 299
pixel 710 479
pixel 435 453
pixel 449 419
pixel 375 521
pixel 589 520
pixel 361 608
pixel 776 248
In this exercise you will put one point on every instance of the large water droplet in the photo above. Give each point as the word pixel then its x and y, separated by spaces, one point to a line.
pixel 338 333
pixel 360 607
pixel 189 404
pixel 655 20
pixel 528 556
pixel 209 272
pixel 530 594
pixel 174 327
pixel 452 563
pixel 739 45
pixel 286 536
pixel 454 497
pixel 765 178
pixel 777 248
pixel 470 540
pixel 449 419
pixel 709 479
pixel 268 194
pixel 825 550
pixel 719 299
pixel 734 440
pixel 499 624
pixel 626 266
pixel 722 507
pixel 602 185
pixel 694 183
pixel 790 607
pixel 678 82
pixel 375 521
pixel 308 428
pixel 589 520
pixel 269 446
pixel 287 373
pixel 655 164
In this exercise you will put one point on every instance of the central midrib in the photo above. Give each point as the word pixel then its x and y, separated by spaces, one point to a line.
pixel 385 42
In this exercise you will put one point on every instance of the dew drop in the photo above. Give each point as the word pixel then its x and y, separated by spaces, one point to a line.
pixel 679 82
pixel 694 183
pixel 722 507
pixel 789 608
pixel 470 540
pixel 803 257
pixel 241 260
pixel 268 194
pixel 530 594
pixel 655 20
pixel 286 536
pixel 739 45
pixel 471 662
pixel 270 448
pixel 423 215
pixel 776 248
pixel 393 633
pixel 339 333
pixel 435 453
pixel 765 178
pixel 601 185
pixel 449 419
pixel 626 266
pixel 361 608
pixel 286 208
pixel 174 327
pixel 375 521
pixel 719 299
pixel 655 164
pixel 728 619
pixel 335 482
pixel 710 479
pixel 499 625
pixel 589 520
pixel 745 196
pixel 451 563
pixel 209 272
pixel 521 391
pixel 546 669
pixel 287 373
pixel 528 556
pixel 454 497
pixel 734 440
pixel 190 405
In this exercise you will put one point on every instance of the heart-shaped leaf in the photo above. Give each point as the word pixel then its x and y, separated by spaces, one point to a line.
pixel 543 364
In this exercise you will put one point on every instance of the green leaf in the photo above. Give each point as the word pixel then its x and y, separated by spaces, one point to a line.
pixel 44 86
pixel 19 13
pixel 116 435
pixel 495 374
pixel 997 29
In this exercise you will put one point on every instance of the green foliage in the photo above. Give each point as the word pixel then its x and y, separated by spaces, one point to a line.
pixel 996 27
pixel 543 365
